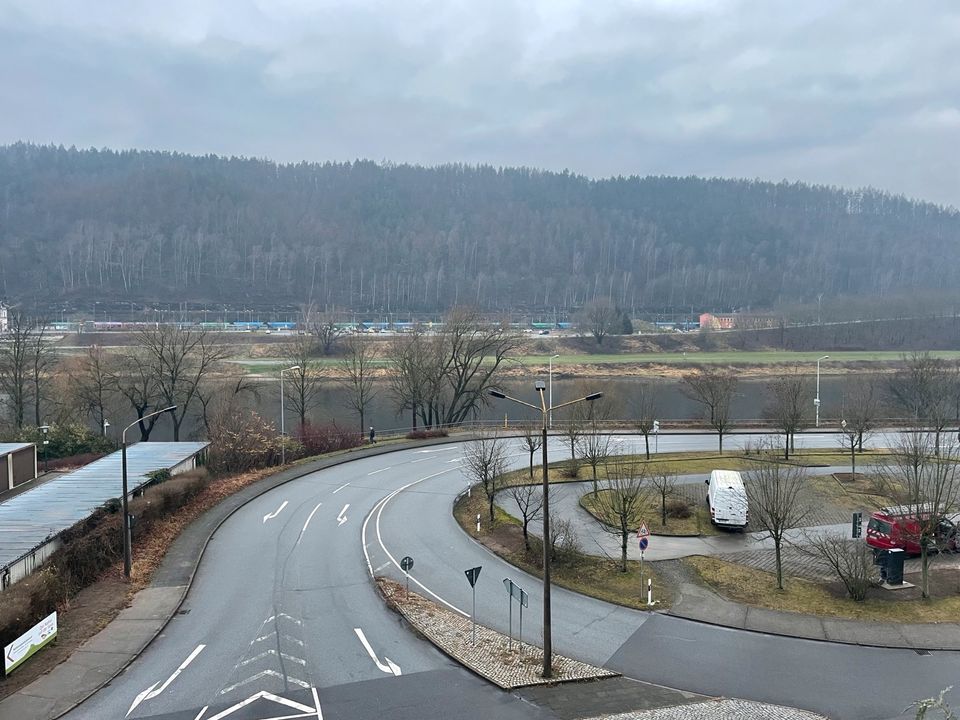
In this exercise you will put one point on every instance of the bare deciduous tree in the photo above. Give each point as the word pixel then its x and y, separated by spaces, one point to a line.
pixel 646 411
pixel 774 494
pixel 411 377
pixel 924 390
pixel 787 406
pixel 42 357
pixel 714 388
pixel 322 326
pixel 15 357
pixel 356 375
pixel 664 484
pixel 850 560
pixel 302 388
pixel 485 461
pixel 94 384
pixel 134 378
pixel 861 407
pixel 529 500
pixel 621 502
pixel 531 440
pixel 924 481
pixel 597 318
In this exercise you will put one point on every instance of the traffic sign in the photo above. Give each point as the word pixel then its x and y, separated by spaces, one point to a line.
pixel 644 541
pixel 643 531
pixel 472 575
pixel 406 564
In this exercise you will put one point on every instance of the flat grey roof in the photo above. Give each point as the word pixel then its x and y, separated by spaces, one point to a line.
pixel 32 517
pixel 6 448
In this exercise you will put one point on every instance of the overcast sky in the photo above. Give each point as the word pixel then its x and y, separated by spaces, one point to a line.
pixel 846 93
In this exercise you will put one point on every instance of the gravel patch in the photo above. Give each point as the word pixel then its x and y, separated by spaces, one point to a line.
pixel 722 709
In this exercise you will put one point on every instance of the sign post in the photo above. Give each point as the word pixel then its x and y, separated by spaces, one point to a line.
pixel 472 575
pixel 407 565
pixel 644 535
pixel 515 591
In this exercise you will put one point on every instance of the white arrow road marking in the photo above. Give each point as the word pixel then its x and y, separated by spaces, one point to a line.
pixel 306 709
pixel 150 692
pixel 307 523
pixel 200 714
pixel 390 668
pixel 339 489
pixel 379 471
pixel 271 516
pixel 341 518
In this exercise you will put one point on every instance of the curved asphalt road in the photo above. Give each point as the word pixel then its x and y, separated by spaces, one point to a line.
pixel 284 587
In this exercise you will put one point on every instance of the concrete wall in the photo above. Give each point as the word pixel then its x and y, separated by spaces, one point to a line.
pixel 23 466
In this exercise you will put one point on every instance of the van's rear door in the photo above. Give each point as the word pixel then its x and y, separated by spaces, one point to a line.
pixel 730 507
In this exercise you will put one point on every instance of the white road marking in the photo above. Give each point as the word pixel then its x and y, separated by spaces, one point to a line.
pixel 390 668
pixel 271 516
pixel 380 470
pixel 277 699
pixel 341 518
pixel 200 714
pixel 378 510
pixel 385 565
pixel 150 692
pixel 264 673
pixel 339 489
pixel 443 449
pixel 412 462
pixel 309 518
pixel 316 701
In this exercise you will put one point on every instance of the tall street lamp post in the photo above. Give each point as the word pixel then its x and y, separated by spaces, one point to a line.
pixel 550 374
pixel 816 400
pixel 127 559
pixel 283 433
pixel 545 410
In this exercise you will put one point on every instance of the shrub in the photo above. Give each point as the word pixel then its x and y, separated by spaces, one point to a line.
pixel 242 441
pixel 329 437
pixel 571 469
pixel 65 441
pixel 426 434
pixel 73 461
pixel 679 509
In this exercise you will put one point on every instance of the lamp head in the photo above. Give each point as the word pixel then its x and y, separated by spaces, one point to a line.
pixel 593 396
pixel 497 394
pixel 539 386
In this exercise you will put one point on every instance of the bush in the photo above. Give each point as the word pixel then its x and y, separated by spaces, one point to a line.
pixel 65 441
pixel 426 434
pixel 242 441
pixel 679 509
pixel 329 437
pixel 571 469
pixel 73 461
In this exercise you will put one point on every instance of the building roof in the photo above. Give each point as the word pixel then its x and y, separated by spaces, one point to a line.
pixel 7 448
pixel 29 519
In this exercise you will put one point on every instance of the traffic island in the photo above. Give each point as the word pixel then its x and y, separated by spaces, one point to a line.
pixel 506 663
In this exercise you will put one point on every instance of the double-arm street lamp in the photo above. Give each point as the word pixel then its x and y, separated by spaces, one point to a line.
pixel 283 431
pixel 127 558
pixel 545 411
pixel 816 400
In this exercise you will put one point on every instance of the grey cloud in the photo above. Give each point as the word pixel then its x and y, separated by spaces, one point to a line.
pixel 832 92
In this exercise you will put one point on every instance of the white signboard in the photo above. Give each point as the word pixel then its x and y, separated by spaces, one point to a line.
pixel 27 644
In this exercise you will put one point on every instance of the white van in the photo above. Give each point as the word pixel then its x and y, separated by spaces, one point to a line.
pixel 727 499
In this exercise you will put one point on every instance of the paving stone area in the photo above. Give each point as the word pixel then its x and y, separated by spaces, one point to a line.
pixel 720 709
pixel 507 664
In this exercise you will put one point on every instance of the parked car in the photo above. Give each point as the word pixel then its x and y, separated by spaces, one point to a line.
pixel 727 499
pixel 899 528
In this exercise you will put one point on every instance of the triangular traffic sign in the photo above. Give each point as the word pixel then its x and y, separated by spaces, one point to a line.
pixel 643 532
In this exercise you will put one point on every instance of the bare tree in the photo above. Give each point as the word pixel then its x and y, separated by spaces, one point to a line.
pixel 356 375
pixel 529 500
pixel 850 560
pixel 42 357
pixel 180 359
pixel 787 406
pixel 594 447
pixel 134 378
pixel 848 441
pixel 216 397
pixel 597 318
pixel 714 388
pixel 646 410
pixel 302 389
pixel 485 461
pixel 411 377
pixel 94 384
pixel 861 408
pixel 775 504
pixel 531 441
pixel 323 327
pixel 621 502
pixel 924 481
pixel 664 484
pixel 15 358
pixel 924 390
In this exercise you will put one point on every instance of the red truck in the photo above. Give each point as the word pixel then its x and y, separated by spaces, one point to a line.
pixel 899 528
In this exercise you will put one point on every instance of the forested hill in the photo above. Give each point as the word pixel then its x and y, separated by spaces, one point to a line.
pixel 161 226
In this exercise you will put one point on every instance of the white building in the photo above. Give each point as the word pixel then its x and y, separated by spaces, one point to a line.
pixel 3 318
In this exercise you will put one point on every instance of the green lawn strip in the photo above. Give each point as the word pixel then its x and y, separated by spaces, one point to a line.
pixel 756 587
pixel 697 524
pixel 589 575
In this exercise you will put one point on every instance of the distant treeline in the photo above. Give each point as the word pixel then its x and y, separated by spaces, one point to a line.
pixel 366 236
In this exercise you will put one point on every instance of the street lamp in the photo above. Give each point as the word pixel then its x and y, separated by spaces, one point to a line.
pixel 45 429
pixel 816 400
pixel 283 443
pixel 545 410
pixel 550 374
pixel 127 559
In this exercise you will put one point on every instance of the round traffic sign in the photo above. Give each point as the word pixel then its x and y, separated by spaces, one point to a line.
pixel 406 564
pixel 644 541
